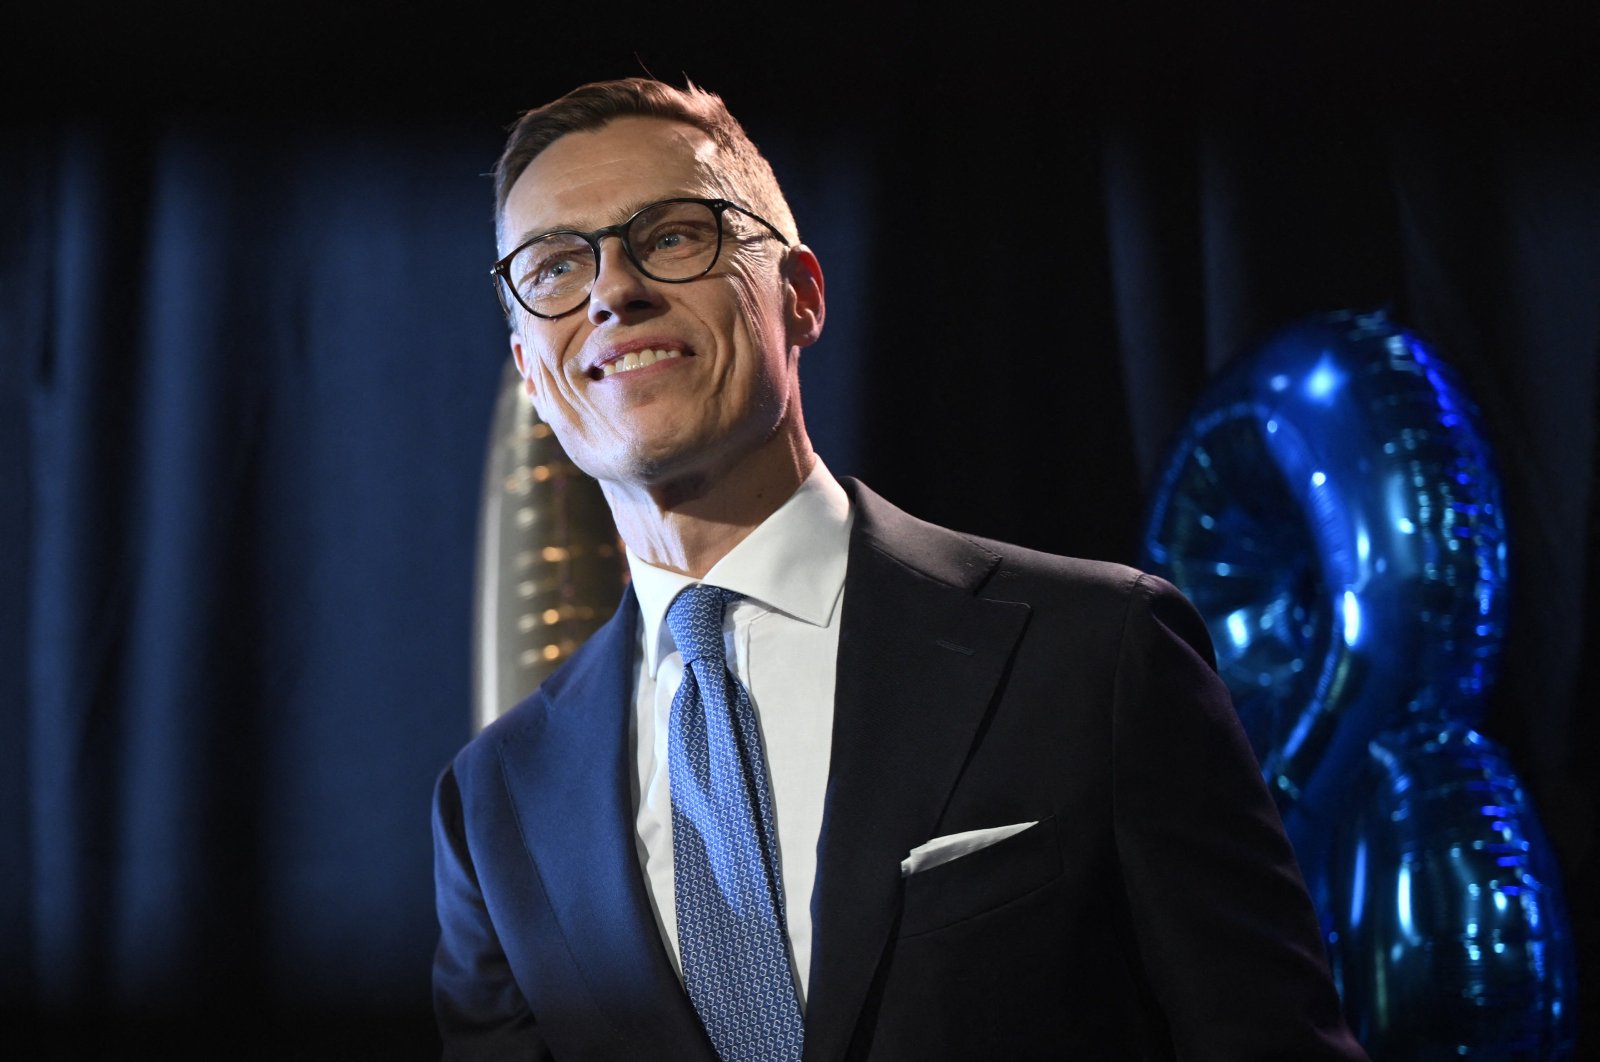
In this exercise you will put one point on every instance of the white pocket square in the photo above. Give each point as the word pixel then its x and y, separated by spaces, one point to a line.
pixel 954 846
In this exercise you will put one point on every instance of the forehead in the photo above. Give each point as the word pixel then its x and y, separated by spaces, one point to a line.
pixel 584 178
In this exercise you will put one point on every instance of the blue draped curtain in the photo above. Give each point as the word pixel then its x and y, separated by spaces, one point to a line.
pixel 247 376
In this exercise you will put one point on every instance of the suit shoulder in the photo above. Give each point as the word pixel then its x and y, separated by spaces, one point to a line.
pixel 1003 569
pixel 1105 580
pixel 1105 592
pixel 524 721
pixel 481 752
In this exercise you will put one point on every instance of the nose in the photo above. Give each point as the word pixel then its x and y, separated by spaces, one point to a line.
pixel 620 290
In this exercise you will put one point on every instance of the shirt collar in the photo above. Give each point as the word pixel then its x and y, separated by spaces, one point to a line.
pixel 793 562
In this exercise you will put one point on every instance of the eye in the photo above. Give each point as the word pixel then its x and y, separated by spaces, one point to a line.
pixel 680 236
pixel 556 262
pixel 674 239
pixel 551 268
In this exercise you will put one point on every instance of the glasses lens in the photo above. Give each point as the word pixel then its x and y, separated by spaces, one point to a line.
pixel 675 241
pixel 552 275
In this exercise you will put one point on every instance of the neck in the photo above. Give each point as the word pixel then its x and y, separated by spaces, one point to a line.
pixel 688 523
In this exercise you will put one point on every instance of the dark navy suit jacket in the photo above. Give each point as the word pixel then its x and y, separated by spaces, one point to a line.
pixel 1155 911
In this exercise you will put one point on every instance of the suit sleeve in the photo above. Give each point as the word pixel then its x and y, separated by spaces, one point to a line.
pixel 1224 924
pixel 481 1012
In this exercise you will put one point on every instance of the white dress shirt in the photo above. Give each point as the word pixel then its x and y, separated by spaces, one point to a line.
pixel 782 643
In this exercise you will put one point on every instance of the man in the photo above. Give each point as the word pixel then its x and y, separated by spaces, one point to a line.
pixel 890 792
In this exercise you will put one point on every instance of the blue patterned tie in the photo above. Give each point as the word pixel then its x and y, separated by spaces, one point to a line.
pixel 729 893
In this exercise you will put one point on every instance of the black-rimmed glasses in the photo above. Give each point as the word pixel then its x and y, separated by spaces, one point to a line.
pixel 673 241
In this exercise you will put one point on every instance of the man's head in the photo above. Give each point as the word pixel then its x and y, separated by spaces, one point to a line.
pixel 655 383
pixel 749 176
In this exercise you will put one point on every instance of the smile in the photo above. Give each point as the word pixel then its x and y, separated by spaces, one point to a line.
pixel 637 359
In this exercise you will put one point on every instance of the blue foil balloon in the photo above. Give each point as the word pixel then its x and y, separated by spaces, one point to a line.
pixel 1332 510
pixel 1449 927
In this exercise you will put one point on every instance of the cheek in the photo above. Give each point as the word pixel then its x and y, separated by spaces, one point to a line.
pixel 759 316
pixel 546 381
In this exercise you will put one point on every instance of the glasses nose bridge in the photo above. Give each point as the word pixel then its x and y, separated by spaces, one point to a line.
pixel 629 261
pixel 620 231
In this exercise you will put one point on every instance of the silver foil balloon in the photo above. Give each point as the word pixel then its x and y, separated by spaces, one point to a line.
pixel 1332 510
pixel 550 568
pixel 1449 929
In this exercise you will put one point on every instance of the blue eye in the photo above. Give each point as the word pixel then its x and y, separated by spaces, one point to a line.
pixel 556 267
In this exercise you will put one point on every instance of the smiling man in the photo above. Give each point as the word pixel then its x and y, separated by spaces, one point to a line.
pixel 833 782
pixel 682 400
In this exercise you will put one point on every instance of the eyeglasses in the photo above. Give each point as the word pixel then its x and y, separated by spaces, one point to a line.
pixel 673 241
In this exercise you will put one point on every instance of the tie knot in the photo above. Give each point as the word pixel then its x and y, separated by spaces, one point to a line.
pixel 695 620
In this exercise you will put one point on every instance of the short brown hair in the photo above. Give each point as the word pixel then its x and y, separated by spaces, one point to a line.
pixel 591 106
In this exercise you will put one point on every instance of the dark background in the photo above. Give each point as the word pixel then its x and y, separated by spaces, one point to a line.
pixel 248 353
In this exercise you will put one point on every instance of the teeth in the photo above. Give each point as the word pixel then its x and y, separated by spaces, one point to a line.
pixel 637 359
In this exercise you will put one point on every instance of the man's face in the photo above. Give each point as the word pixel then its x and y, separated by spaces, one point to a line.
pixel 732 337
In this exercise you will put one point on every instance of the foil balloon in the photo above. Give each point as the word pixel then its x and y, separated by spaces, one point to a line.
pixel 1449 926
pixel 1332 510
pixel 550 568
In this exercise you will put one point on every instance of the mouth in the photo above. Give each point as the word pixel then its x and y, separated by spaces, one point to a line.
pixel 634 360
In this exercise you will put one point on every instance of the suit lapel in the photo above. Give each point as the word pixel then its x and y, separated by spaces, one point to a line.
pixel 575 807
pixel 920 658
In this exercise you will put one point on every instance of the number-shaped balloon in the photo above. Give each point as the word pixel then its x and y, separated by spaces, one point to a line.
pixel 1332 509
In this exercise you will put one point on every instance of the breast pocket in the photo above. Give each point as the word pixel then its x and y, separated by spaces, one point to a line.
pixel 981 881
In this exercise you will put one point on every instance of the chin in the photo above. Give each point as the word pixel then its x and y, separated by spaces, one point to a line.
pixel 673 475
pixel 654 469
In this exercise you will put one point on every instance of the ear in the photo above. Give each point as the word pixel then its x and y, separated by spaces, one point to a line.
pixel 520 356
pixel 806 307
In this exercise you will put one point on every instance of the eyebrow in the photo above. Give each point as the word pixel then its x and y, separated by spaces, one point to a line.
pixel 623 213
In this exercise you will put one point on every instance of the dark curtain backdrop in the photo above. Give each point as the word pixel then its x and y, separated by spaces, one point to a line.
pixel 248 353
